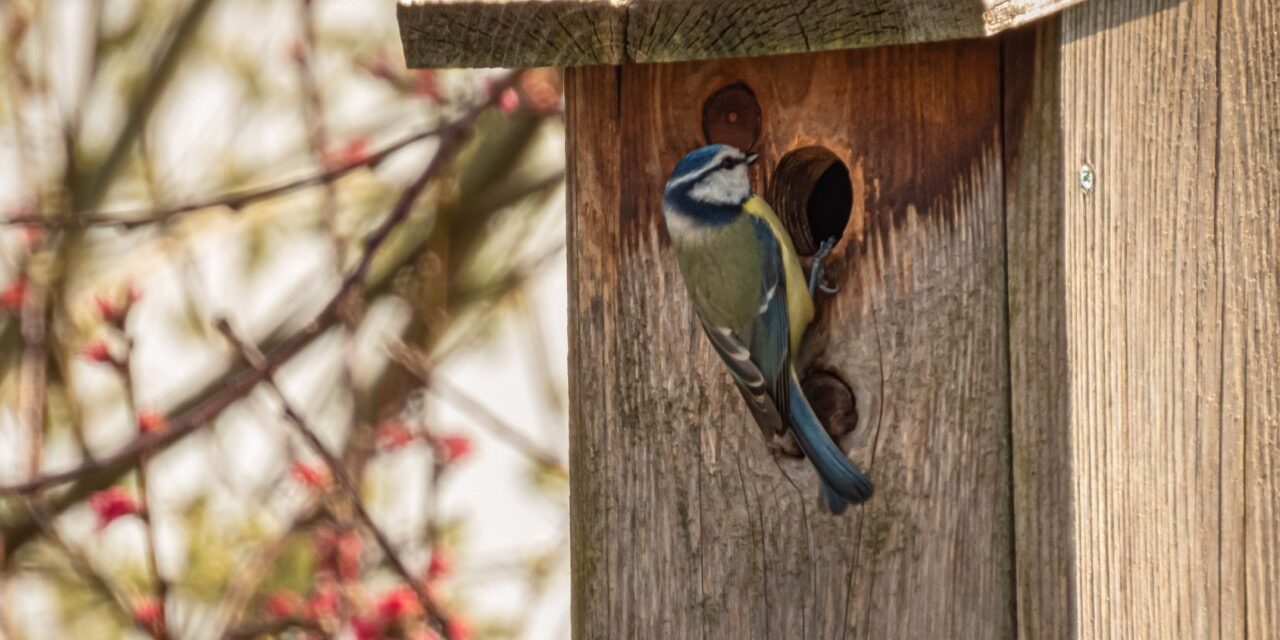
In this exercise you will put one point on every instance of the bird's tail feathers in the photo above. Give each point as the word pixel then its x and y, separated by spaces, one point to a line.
pixel 842 482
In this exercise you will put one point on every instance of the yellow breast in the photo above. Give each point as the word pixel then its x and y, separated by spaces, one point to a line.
pixel 799 303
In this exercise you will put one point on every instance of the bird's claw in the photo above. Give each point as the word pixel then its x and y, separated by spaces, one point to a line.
pixel 817 279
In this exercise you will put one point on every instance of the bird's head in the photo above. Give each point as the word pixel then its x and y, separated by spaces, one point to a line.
pixel 712 176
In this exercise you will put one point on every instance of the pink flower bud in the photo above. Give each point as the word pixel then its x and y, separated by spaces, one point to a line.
pixel 310 476
pixel 152 422
pixel 110 504
pixel 14 296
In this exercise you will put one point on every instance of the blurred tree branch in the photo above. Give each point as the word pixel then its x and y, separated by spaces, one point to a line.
pixel 208 404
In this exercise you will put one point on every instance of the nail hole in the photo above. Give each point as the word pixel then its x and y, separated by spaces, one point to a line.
pixel 813 195
pixel 732 116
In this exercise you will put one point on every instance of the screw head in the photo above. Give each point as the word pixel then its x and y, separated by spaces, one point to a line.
pixel 1087 178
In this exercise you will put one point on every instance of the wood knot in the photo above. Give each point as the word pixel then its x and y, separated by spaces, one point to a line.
pixel 732 116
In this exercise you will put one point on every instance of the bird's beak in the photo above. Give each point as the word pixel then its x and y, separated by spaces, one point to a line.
pixel 752 158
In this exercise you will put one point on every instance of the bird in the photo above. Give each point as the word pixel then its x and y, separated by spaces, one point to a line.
pixel 748 289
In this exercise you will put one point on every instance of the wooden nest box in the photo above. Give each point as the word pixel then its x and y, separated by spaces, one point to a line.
pixel 1056 343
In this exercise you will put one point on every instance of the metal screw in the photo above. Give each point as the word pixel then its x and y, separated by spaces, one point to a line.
pixel 1087 178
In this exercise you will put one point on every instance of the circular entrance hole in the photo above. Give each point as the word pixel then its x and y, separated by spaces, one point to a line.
pixel 813 195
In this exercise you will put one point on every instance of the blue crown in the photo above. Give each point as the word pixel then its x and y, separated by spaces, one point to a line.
pixel 697 159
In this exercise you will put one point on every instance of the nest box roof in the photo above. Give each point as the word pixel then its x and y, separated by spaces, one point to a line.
pixel 525 33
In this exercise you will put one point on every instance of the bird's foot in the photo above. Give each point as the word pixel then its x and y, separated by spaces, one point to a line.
pixel 817 279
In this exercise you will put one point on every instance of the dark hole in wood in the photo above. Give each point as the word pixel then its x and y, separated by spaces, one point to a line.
pixel 732 116
pixel 813 195
pixel 833 400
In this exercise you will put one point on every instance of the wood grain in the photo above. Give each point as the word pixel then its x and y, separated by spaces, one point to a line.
pixel 522 33
pixel 685 524
pixel 1171 274
pixel 1248 199
pixel 1034 208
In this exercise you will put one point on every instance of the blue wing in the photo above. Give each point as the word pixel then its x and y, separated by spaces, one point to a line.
pixel 757 352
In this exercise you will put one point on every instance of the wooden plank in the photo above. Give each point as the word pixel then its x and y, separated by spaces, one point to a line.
pixel 520 33
pixel 1033 173
pixel 1248 199
pixel 469 33
pixel 592 192
pixel 1154 358
pixel 685 523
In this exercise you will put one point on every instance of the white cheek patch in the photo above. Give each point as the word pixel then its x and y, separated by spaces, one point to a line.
pixel 723 187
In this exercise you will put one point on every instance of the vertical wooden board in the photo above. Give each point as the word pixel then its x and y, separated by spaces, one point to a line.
pixel 592 194
pixel 1033 174
pixel 699 530
pixel 1144 283
pixel 1248 202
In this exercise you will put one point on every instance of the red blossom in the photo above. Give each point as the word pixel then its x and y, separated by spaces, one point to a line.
pixel 296 51
pixel 152 422
pixel 457 628
pixel 452 448
pixel 112 503
pixel 323 603
pixel 310 476
pixel 440 565
pixel 148 611
pixel 426 85
pixel 14 296
pixel 354 151
pixel 98 351
pixel 31 235
pixel 393 435
pixel 540 91
pixel 110 310
pixel 397 603
pixel 284 604
pixel 338 552
pixel 366 628
pixel 350 546
pixel 509 101
pixel 115 311
pixel 379 66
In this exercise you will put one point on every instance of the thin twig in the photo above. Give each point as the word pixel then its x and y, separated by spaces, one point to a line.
pixel 33 376
pixel 339 472
pixel 132 218
pixel 146 513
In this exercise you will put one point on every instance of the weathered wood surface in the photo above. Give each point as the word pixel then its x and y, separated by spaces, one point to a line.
pixel 522 33
pixel 1033 174
pixel 684 524
pixel 1172 270
pixel 1248 213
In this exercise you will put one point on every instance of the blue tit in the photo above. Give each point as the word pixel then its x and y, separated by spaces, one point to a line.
pixel 749 291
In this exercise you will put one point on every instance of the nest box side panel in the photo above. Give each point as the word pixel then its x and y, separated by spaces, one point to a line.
pixel 686 523
pixel 1038 368
pixel 1171 129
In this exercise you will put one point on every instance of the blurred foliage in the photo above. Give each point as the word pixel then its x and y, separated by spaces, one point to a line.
pixel 124 110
